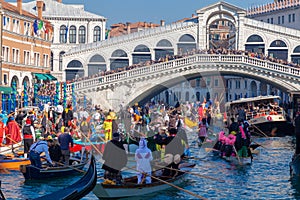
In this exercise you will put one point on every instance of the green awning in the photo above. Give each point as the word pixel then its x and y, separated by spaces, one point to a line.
pixel 41 76
pixel 5 90
pixel 50 77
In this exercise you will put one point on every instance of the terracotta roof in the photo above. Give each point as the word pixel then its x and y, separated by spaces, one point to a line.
pixel 12 8
pixel 121 28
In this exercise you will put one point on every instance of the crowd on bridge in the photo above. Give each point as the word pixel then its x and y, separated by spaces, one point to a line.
pixel 219 51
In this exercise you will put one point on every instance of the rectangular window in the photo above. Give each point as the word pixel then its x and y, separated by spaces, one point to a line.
pixel 208 82
pixel 36 59
pixel 5 81
pixel 216 82
pixel 282 19
pixel 237 84
pixel 16 55
pixel 6 57
pixel 268 20
pixel 293 17
pixel 290 18
pixel 272 20
pixel 278 19
pixel 246 84
pixel 45 60
pixel 26 58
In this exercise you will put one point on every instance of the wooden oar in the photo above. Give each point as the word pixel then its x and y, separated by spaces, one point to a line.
pixel 202 176
pixel 93 144
pixel 237 155
pixel 172 185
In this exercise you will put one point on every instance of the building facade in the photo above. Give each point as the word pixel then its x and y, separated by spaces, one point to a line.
pixel 25 47
pixel 73 27
pixel 281 12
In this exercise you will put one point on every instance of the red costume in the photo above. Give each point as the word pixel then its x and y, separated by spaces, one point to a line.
pixel 12 132
pixel 1 132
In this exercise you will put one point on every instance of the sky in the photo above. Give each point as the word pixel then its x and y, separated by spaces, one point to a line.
pixel 150 10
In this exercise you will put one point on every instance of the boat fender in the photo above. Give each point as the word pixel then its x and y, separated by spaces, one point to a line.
pixel 177 159
pixel 168 158
pixel 269 118
pixel 23 168
pixel 75 163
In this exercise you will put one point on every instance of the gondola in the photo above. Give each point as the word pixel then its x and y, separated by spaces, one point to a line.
pixel 130 188
pixel 77 190
pixel 232 159
pixel 31 172
pixel 295 166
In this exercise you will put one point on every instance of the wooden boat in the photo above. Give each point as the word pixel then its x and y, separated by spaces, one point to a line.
pixel 7 148
pixel 233 159
pixel 78 189
pixel 12 163
pixel 295 166
pixel 32 172
pixel 130 188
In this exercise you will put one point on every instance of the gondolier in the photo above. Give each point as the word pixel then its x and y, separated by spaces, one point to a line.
pixel 28 136
pixel 35 151
pixel 115 159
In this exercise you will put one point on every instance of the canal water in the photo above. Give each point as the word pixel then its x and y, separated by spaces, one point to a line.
pixel 268 177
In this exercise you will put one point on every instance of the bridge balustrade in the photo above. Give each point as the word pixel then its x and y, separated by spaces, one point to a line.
pixel 200 58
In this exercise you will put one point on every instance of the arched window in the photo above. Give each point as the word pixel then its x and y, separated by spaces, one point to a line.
pixel 72 37
pixel 141 54
pixel 60 60
pixel 81 34
pixel 278 43
pixel 163 48
pixel 255 38
pixel 186 44
pixel 63 34
pixel 97 34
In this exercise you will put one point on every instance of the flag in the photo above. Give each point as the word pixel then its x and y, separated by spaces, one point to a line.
pixel 35 27
pixel 48 28
pixel 107 34
pixel 41 25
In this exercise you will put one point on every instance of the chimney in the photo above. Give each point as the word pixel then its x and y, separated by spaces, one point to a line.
pixel 39 5
pixel 19 6
pixel 128 27
pixel 145 25
pixel 59 1
pixel 193 15
pixel 151 25
pixel 162 22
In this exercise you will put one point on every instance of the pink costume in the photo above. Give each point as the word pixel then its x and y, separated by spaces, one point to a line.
pixel 243 132
pixel 222 137
pixel 230 140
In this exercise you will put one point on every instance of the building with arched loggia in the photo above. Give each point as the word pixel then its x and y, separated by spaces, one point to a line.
pixel 73 26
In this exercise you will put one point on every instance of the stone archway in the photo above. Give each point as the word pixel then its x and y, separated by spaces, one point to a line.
pixel 222 34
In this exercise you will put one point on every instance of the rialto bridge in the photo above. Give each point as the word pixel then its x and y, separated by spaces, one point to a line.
pixel 220 25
